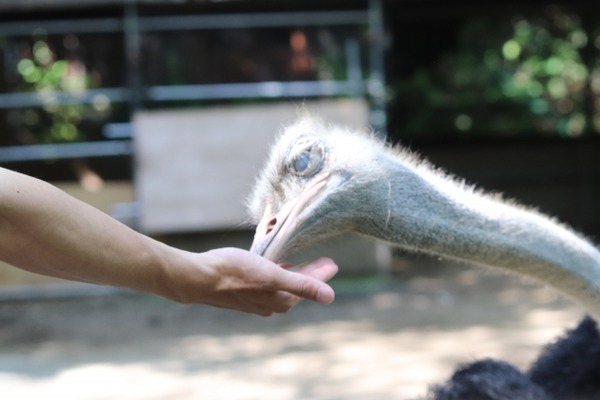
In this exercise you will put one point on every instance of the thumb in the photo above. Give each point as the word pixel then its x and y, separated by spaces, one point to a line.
pixel 309 281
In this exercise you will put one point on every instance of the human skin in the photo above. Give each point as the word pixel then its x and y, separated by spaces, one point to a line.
pixel 46 231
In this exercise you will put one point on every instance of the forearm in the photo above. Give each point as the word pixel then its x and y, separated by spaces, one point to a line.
pixel 44 230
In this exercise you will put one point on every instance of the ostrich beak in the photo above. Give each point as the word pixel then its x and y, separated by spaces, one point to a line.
pixel 273 231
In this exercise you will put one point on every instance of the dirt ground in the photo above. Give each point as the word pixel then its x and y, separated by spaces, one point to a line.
pixel 383 338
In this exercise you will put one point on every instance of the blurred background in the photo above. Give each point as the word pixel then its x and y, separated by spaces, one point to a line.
pixel 160 113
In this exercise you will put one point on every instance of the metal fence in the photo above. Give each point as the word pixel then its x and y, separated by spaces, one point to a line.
pixel 132 25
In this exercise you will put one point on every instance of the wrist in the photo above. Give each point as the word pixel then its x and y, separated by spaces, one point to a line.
pixel 183 276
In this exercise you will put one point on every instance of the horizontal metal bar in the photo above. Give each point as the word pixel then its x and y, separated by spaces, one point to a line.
pixel 127 210
pixel 258 20
pixel 38 99
pixel 185 22
pixel 65 150
pixel 188 92
pixel 118 130
pixel 62 26
pixel 255 90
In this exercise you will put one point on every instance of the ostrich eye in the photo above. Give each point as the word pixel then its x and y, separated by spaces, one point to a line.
pixel 306 157
pixel 301 162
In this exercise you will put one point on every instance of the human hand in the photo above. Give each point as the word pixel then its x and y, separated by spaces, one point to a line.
pixel 86 245
pixel 238 279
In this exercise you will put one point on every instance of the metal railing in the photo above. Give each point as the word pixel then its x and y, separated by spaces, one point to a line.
pixel 132 24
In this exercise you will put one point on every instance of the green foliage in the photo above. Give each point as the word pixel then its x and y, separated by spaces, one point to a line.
pixel 503 78
pixel 47 76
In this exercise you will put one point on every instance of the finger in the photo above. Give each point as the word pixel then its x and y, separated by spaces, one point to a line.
pixel 243 306
pixel 282 302
pixel 308 266
pixel 300 284
pixel 267 303
pixel 322 269
pixel 257 302
pixel 306 287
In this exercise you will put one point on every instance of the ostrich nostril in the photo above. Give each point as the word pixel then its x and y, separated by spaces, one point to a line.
pixel 271 224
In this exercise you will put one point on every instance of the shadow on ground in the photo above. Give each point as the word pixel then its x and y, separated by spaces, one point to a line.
pixel 383 338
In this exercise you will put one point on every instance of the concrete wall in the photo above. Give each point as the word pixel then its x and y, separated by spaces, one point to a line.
pixel 195 167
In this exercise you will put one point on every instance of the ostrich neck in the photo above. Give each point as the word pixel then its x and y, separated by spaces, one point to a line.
pixel 427 212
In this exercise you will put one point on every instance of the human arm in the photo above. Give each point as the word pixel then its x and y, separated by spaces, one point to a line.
pixel 46 231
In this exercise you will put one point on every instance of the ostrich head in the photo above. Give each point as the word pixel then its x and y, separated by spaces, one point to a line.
pixel 324 180
pixel 314 175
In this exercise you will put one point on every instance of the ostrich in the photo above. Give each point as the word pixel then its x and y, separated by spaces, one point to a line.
pixel 568 369
pixel 322 180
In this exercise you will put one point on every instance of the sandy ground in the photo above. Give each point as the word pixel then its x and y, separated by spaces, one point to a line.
pixel 383 338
